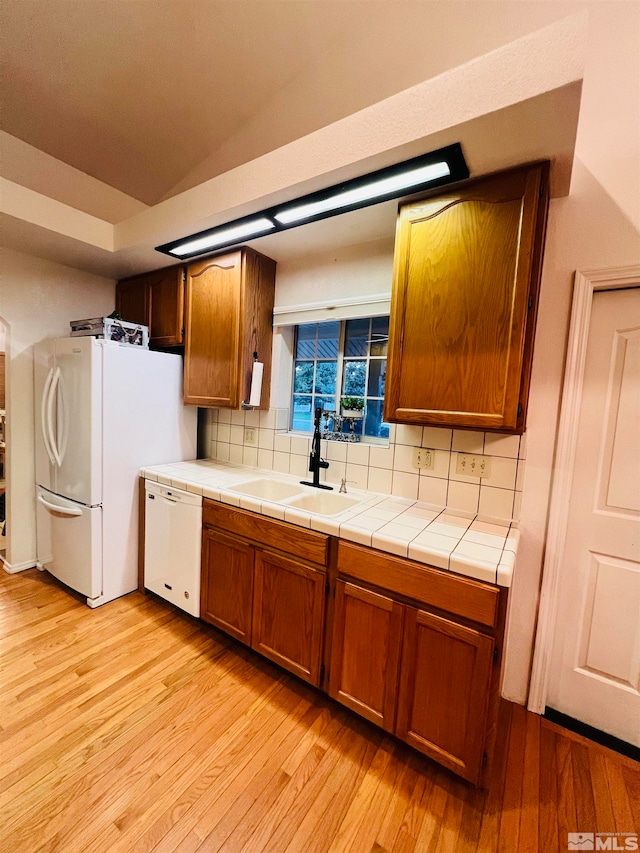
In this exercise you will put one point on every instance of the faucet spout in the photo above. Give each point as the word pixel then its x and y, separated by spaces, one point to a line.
pixel 315 460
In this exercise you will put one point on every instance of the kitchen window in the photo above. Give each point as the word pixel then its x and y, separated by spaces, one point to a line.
pixel 338 360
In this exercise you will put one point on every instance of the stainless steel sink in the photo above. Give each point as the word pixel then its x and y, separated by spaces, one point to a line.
pixel 267 489
pixel 325 503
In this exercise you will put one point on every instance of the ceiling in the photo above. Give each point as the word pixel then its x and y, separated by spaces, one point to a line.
pixel 138 93
pixel 115 108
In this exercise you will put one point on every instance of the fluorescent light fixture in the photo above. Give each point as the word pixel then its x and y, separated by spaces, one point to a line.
pixel 366 192
pixel 223 236
pixel 426 172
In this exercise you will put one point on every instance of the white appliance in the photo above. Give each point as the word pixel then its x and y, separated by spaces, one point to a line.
pixel 102 412
pixel 173 533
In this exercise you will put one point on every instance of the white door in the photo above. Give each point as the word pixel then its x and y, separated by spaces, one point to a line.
pixel 70 542
pixel 76 403
pixel 595 661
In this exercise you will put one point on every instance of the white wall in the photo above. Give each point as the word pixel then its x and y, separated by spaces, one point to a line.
pixel 348 272
pixel 37 299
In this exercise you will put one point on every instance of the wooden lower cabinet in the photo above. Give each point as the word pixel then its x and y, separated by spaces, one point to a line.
pixel 288 614
pixel 412 649
pixel 365 653
pixel 226 596
pixel 443 699
pixel 273 602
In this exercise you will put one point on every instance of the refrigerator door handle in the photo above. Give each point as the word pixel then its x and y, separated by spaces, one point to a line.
pixel 63 419
pixel 52 397
pixel 63 510
pixel 43 416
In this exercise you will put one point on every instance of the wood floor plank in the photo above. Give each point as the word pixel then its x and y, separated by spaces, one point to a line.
pixel 605 820
pixel 583 789
pixel 140 766
pixel 449 840
pixel 548 838
pixel 135 728
pixel 509 836
pixel 434 803
pixel 530 802
pixel 158 834
pixel 619 797
pixel 393 819
pixel 490 827
pixel 471 823
pixel 631 777
pixel 325 807
pixel 567 812
pixel 361 822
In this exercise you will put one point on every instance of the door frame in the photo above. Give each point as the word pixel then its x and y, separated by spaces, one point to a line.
pixel 586 284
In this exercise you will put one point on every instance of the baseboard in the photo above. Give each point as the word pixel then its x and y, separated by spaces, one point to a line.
pixel 12 568
pixel 593 734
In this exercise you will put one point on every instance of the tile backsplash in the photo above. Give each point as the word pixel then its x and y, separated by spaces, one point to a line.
pixel 262 439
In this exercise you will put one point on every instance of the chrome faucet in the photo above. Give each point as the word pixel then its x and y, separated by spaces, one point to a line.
pixel 315 460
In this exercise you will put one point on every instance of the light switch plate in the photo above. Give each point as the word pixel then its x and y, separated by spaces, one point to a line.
pixel 472 465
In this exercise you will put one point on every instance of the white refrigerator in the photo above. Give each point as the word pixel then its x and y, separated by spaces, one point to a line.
pixel 102 411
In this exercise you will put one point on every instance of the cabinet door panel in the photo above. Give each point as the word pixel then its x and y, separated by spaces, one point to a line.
pixel 444 691
pixel 463 273
pixel 167 307
pixel 227 584
pixel 288 614
pixel 213 331
pixel 365 653
pixel 132 300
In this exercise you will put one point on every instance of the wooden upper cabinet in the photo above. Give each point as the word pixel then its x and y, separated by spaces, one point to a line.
pixel 229 316
pixel 465 291
pixel 166 328
pixel 133 301
pixel 156 300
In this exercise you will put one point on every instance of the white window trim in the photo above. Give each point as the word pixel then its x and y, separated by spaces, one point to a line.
pixel 339 309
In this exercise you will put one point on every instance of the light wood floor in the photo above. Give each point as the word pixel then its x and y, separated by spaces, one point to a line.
pixel 133 727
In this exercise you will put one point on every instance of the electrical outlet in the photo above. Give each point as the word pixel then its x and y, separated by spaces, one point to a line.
pixel 249 436
pixel 473 466
pixel 423 457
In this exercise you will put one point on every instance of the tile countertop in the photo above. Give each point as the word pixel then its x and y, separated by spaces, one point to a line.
pixel 423 532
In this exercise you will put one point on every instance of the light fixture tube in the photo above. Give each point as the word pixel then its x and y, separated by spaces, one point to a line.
pixel 375 189
pixel 425 172
pixel 251 228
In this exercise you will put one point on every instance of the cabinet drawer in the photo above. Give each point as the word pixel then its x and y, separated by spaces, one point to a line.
pixel 305 544
pixel 464 597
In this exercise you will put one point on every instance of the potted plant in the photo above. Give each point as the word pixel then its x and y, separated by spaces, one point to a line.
pixel 352 407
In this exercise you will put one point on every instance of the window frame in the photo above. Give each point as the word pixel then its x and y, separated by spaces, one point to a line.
pixel 340 360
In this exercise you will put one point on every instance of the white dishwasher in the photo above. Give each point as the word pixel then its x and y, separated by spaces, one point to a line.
pixel 172 539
